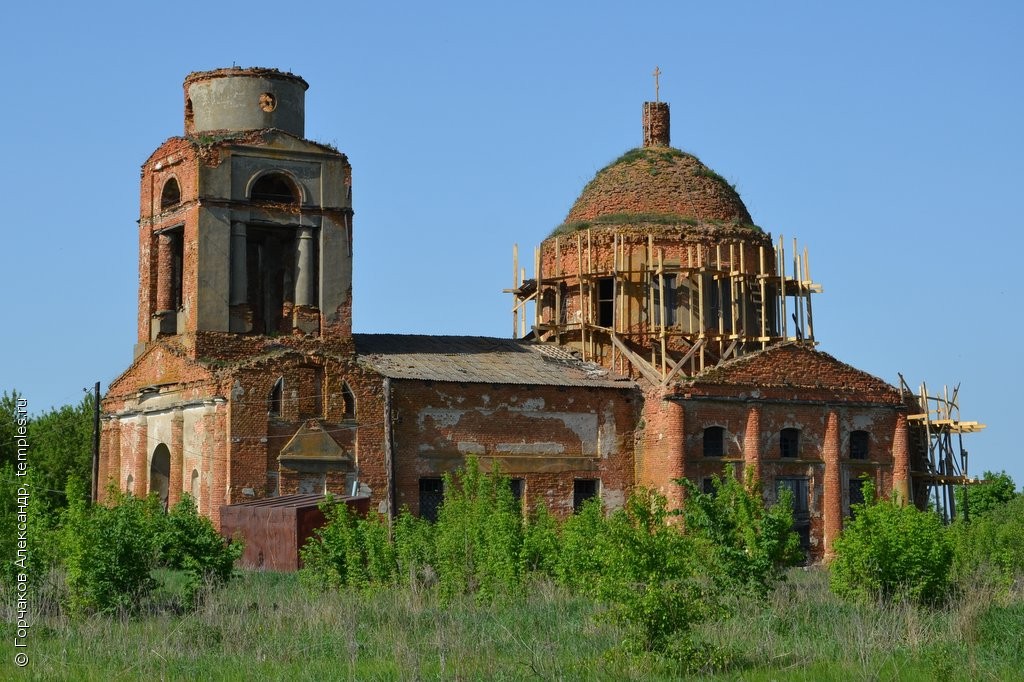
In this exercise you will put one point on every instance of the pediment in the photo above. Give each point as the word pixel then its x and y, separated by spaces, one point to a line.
pixel 312 442
pixel 159 365
pixel 793 368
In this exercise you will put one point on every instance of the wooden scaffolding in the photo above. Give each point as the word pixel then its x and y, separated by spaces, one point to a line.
pixel 938 457
pixel 725 301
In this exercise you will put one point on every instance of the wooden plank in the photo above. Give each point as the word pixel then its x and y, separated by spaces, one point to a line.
pixel 642 366
pixel 682 361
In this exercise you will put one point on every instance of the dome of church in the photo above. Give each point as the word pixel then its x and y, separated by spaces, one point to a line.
pixel 657 184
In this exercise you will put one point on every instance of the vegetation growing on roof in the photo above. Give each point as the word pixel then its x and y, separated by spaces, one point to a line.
pixel 641 219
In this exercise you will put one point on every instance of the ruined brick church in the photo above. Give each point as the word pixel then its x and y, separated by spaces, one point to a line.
pixel 662 335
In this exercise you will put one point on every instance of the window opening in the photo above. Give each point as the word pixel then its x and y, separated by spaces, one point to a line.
pixel 583 489
pixel 275 188
pixel 518 487
pixel 349 399
pixel 431 498
pixel 789 443
pixel 276 397
pixel 171 194
pixel 671 300
pixel 859 441
pixel 606 301
pixel 714 441
pixel 798 488
pixel 270 274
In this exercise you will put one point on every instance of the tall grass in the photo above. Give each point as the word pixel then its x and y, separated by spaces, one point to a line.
pixel 267 626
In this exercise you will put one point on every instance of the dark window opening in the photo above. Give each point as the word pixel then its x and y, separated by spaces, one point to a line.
pixel 859 441
pixel 349 399
pixel 707 486
pixel 856 494
pixel 177 238
pixel 606 302
pixel 789 443
pixel 274 188
pixel 714 441
pixel 518 488
pixel 270 273
pixel 563 310
pixel 719 295
pixel 671 302
pixel 276 398
pixel 160 473
pixel 171 194
pixel 799 491
pixel 431 498
pixel 583 489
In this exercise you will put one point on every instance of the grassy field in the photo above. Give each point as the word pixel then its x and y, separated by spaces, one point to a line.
pixel 266 626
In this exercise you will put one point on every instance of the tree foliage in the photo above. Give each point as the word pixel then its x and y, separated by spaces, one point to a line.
pixel 890 551
pixel 982 498
pixel 749 542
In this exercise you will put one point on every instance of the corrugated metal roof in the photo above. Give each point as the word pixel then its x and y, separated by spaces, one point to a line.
pixel 480 359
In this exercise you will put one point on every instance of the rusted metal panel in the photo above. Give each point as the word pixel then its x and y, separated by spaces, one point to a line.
pixel 276 528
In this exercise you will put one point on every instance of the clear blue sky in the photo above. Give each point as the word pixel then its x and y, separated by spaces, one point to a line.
pixel 885 136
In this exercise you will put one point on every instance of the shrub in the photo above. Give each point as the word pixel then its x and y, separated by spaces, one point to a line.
pixel 992 543
pixel 109 551
pixel 347 551
pixel 540 550
pixel 648 576
pixel 580 559
pixel 982 498
pixel 892 552
pixel 189 542
pixel 478 536
pixel 745 544
pixel 414 549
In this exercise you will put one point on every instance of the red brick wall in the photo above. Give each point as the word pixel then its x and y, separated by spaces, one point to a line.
pixel 547 435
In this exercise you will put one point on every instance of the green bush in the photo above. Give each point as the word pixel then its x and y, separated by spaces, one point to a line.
pixel 478 535
pixel 414 549
pixel 979 499
pixel 892 552
pixel 541 542
pixel 580 559
pixel 109 552
pixel 347 551
pixel 748 544
pixel 648 576
pixel 189 542
pixel 991 544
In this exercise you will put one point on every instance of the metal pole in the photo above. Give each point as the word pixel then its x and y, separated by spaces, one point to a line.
pixel 95 442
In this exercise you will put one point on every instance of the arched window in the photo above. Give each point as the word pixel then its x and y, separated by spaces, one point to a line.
pixel 350 401
pixel 274 400
pixel 160 473
pixel 129 485
pixel 194 488
pixel 274 187
pixel 859 442
pixel 789 443
pixel 714 441
pixel 171 194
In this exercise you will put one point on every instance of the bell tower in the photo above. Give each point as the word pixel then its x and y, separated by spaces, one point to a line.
pixel 245 226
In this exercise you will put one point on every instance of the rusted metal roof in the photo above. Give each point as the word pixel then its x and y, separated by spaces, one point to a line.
pixel 480 359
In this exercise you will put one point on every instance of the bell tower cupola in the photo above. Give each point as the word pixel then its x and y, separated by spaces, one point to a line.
pixel 245 225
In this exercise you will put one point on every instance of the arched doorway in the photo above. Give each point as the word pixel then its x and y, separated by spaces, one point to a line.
pixel 160 473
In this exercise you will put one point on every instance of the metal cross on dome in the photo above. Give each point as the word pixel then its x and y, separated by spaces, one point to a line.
pixel 656 74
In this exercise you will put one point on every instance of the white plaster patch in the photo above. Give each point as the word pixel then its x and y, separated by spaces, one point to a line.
pixel 441 416
pixel 471 448
pixel 542 448
pixel 613 499
pixel 531 404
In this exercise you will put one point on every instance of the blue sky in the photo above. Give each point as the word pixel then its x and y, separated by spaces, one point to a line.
pixel 886 138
